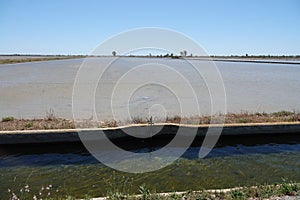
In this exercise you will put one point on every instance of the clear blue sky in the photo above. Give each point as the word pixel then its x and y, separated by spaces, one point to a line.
pixel 222 27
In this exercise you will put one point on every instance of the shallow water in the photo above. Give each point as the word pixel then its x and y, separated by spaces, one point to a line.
pixel 78 173
pixel 29 90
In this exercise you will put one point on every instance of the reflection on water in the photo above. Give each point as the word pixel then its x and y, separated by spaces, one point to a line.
pixel 79 173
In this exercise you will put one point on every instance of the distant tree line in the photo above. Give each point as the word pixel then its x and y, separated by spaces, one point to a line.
pixel 185 54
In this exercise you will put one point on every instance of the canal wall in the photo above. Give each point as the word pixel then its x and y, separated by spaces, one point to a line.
pixel 145 131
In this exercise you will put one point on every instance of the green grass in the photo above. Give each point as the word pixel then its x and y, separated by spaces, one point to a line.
pixel 286 187
pixel 29 125
pixel 237 194
pixel 243 120
pixel 289 187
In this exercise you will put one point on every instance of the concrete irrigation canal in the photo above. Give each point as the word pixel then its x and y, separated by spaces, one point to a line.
pixel 246 154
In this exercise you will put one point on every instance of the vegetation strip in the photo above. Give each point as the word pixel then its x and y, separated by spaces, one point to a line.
pixel 275 191
pixel 251 61
pixel 286 188
pixel 11 59
pixel 51 122
pixel 23 59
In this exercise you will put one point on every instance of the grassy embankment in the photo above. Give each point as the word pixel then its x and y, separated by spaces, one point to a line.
pixel 53 122
pixel 286 188
pixel 22 59
pixel 275 191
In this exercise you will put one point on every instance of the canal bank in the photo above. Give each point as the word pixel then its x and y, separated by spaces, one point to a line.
pixel 141 130
pixel 254 159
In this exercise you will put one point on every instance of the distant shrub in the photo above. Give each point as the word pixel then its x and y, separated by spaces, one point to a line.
pixel 7 119
pixel 261 114
pixel 138 120
pixel 29 125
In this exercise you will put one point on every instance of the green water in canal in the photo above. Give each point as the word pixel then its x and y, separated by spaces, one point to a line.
pixel 79 174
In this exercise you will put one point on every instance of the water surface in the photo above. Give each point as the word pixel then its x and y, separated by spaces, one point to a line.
pixel 74 171
pixel 29 90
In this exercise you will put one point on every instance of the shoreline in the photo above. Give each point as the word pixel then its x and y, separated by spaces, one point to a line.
pixel 50 121
pixel 13 59
pixel 249 60
pixel 287 190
